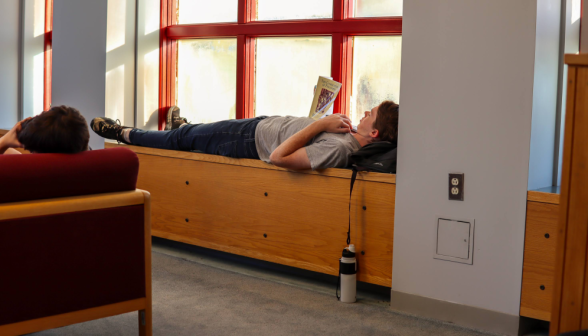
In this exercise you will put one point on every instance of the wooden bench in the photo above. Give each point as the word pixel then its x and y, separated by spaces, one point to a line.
pixel 257 210
pixel 302 222
pixel 539 259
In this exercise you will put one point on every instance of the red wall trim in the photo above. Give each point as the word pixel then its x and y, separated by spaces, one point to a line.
pixel 167 61
pixel 48 55
pixel 245 77
pixel 342 9
pixel 388 26
pixel 341 68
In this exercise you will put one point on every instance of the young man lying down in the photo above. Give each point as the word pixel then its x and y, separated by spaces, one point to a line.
pixel 288 142
pixel 62 129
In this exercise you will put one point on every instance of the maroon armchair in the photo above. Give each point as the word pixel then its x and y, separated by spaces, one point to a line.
pixel 75 240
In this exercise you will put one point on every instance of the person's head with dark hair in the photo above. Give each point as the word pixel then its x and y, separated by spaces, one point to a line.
pixel 380 124
pixel 387 121
pixel 62 129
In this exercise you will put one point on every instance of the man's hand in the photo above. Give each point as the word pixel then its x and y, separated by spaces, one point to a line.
pixel 10 139
pixel 335 123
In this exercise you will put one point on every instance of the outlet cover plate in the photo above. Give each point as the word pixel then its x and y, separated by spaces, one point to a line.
pixel 456 186
pixel 454 240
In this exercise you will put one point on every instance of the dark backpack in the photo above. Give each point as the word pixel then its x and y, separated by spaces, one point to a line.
pixel 378 156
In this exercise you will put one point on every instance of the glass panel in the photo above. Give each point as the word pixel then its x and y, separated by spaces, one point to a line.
pixel 294 10
pixel 287 71
pixel 374 8
pixel 33 57
pixel 120 61
pixel 115 95
pixel 207 79
pixel 207 11
pixel 376 73
pixel 147 64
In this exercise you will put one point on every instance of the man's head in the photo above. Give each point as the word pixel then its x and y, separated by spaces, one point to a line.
pixel 62 129
pixel 381 123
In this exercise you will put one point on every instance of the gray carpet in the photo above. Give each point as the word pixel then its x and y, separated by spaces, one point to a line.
pixel 196 297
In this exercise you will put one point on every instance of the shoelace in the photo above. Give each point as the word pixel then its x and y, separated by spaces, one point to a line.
pixel 105 127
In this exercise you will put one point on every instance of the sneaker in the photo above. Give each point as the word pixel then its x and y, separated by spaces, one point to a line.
pixel 108 128
pixel 174 120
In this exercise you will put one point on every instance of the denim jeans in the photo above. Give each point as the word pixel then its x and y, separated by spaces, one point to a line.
pixel 233 138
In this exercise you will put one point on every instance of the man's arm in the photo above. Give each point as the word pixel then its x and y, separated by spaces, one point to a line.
pixel 10 139
pixel 291 154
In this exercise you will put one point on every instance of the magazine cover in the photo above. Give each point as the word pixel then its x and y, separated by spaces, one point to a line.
pixel 324 96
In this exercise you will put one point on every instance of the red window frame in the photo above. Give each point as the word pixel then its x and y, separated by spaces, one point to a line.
pixel 48 57
pixel 342 27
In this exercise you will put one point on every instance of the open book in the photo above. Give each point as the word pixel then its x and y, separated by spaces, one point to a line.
pixel 325 93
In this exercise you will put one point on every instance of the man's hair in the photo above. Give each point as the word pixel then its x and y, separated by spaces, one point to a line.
pixel 62 129
pixel 387 121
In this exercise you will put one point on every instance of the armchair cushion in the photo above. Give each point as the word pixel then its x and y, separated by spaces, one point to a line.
pixel 42 176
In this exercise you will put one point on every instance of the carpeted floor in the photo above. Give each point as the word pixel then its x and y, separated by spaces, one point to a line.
pixel 194 297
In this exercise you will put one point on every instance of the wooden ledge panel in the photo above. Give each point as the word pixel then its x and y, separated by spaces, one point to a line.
pixel 576 59
pixel 70 204
pixel 331 172
pixel 542 197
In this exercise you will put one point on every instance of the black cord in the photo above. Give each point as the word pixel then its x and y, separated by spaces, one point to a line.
pixel 353 177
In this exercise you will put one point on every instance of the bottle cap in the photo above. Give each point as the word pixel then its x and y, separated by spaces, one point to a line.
pixel 347 253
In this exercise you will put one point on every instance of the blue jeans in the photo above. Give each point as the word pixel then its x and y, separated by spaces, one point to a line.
pixel 233 138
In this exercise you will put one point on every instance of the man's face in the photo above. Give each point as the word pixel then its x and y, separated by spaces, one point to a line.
pixel 366 124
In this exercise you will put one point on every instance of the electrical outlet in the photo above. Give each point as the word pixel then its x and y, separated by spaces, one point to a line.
pixel 456 187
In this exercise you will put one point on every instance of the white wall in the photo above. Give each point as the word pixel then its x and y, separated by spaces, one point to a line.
pixel 467 94
pixel 79 58
pixel 9 32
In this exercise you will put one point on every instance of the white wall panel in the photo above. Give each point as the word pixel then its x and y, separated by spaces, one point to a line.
pixel 467 95
pixel 79 58
pixel 9 53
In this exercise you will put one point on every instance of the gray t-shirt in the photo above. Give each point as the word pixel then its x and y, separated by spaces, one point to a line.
pixel 326 150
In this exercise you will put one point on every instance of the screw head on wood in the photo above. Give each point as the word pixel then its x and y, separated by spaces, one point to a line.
pixel 265 194
pixel 547 235
pixel 187 182
pixel 187 220
pixel 364 207
pixel 264 235
pixel 362 253
pixel 542 287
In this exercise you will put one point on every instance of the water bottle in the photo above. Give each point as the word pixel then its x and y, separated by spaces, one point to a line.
pixel 348 275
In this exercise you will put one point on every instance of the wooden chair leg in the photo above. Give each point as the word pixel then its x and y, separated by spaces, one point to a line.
pixel 145 323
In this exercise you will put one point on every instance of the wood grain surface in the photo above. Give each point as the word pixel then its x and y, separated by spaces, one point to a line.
pixel 332 172
pixel 52 206
pixel 542 197
pixel 539 260
pixel 294 219
pixel 570 304
pixel 62 320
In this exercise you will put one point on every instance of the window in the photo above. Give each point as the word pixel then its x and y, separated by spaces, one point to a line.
pixel 36 56
pixel 245 58
pixel 120 61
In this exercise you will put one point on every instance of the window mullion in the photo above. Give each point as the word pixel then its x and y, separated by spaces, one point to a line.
pixel 341 56
pixel 246 11
pixel 48 57
pixel 341 9
pixel 167 60
pixel 245 77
